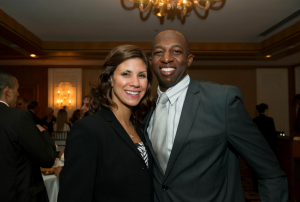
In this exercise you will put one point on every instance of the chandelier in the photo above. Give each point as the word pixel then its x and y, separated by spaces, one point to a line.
pixel 163 5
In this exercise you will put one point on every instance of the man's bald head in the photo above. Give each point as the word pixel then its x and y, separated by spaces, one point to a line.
pixel 170 32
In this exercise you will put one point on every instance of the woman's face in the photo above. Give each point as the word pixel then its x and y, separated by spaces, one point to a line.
pixel 129 82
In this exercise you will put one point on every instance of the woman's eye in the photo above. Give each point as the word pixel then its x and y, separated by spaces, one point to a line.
pixel 143 75
pixel 125 74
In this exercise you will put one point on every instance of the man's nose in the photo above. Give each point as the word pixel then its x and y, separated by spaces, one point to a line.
pixel 167 57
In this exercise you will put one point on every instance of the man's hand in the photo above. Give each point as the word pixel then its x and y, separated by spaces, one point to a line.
pixel 40 127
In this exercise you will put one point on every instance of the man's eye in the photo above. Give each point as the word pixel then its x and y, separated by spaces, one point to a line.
pixel 177 51
pixel 157 52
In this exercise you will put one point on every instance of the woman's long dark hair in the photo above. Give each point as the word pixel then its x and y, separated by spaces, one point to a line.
pixel 100 94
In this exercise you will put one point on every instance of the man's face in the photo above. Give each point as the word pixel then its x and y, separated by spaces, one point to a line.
pixel 170 59
pixel 21 104
pixel 13 95
pixel 85 106
pixel 49 112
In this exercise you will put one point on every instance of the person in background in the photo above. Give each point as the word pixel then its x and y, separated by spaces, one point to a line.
pixel 266 126
pixel 24 148
pixel 85 105
pixel 33 108
pixel 61 124
pixel 297 122
pixel 75 116
pixel 197 132
pixel 106 158
pixel 22 103
pixel 49 119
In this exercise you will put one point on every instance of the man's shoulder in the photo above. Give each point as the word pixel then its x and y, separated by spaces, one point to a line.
pixel 214 85
pixel 209 87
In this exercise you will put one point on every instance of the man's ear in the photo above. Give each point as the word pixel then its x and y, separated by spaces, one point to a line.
pixel 7 91
pixel 190 59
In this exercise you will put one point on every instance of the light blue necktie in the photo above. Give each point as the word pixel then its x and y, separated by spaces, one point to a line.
pixel 160 132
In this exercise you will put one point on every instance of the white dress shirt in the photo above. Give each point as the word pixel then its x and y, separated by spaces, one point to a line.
pixel 4 103
pixel 176 95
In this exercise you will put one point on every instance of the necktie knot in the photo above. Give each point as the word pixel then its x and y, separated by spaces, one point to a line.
pixel 163 99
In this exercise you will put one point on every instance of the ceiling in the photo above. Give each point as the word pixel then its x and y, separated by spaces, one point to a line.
pixel 83 32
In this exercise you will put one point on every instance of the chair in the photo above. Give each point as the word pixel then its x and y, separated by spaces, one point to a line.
pixel 60 138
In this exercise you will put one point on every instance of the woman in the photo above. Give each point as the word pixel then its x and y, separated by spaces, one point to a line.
pixel 61 124
pixel 75 116
pixel 106 157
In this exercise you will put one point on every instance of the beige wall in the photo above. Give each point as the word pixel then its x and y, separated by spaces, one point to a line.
pixel 88 75
pixel 245 80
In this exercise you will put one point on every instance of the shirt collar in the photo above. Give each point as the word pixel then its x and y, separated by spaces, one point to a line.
pixel 174 92
pixel 4 103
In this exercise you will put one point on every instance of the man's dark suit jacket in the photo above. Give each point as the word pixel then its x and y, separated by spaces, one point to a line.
pixel 267 127
pixel 36 119
pixel 24 149
pixel 215 128
pixel 103 164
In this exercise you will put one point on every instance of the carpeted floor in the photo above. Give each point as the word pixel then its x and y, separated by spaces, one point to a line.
pixel 246 175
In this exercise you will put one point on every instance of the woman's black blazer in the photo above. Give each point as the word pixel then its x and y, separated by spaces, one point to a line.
pixel 103 164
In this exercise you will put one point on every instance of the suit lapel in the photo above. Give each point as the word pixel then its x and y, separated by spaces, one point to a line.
pixel 188 113
pixel 148 118
pixel 118 128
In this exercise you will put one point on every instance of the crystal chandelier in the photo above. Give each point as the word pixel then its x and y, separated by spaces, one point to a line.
pixel 163 5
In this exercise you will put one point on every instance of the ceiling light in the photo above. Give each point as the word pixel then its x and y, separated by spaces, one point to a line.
pixel 32 55
pixel 268 56
pixel 163 5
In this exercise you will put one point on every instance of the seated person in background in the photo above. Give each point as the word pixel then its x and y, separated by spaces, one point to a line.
pixel 61 124
pixel 85 106
pixel 21 103
pixel 49 119
pixel 33 107
pixel 75 116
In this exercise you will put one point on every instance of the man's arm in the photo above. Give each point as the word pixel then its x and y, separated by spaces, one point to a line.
pixel 246 139
pixel 39 145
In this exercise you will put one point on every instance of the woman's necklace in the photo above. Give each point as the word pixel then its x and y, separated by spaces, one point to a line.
pixel 131 135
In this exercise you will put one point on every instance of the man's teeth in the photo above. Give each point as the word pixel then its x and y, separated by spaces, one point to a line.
pixel 132 93
pixel 167 69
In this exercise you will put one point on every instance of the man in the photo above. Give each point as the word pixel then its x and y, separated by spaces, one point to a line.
pixel 85 105
pixel 23 147
pixel 21 103
pixel 202 130
pixel 33 107
pixel 266 125
pixel 49 119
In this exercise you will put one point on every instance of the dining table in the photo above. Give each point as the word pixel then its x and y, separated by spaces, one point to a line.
pixel 52 186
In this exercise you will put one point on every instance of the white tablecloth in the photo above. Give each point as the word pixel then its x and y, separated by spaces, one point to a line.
pixel 52 187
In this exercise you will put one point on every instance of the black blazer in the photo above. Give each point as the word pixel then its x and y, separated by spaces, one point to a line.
pixel 23 150
pixel 215 128
pixel 103 164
